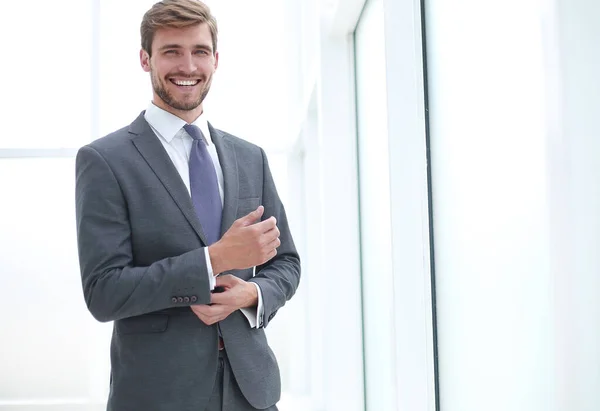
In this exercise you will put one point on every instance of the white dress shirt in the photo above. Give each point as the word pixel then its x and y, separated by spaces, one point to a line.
pixel 178 144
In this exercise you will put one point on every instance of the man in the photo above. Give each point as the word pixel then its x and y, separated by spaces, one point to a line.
pixel 168 209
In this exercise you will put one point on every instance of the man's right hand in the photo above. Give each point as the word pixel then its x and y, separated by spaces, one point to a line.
pixel 246 244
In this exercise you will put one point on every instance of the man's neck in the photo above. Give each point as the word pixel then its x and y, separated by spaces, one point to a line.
pixel 189 116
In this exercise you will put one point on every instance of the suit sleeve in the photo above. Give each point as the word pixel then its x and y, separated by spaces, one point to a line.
pixel 113 287
pixel 278 278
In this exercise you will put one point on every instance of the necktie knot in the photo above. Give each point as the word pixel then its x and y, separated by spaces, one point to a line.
pixel 194 132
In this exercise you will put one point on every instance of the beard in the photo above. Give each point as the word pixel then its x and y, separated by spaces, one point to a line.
pixel 161 91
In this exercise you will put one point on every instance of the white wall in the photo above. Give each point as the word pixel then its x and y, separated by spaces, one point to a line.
pixel 575 150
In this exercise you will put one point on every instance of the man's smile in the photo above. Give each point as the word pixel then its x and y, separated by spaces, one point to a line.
pixel 184 83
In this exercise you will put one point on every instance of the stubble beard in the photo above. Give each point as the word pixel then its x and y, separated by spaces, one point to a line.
pixel 162 92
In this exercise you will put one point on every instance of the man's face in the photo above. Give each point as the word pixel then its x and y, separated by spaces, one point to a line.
pixel 181 67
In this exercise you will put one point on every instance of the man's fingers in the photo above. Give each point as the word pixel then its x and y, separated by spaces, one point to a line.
pixel 271 235
pixel 205 310
pixel 252 217
pixel 220 299
pixel 271 255
pixel 202 312
pixel 266 226
pixel 274 244
pixel 226 281
pixel 210 314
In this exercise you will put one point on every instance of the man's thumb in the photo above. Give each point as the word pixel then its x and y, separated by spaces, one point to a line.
pixel 253 217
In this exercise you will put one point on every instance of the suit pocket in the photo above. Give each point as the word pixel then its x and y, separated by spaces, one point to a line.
pixel 154 323
pixel 247 205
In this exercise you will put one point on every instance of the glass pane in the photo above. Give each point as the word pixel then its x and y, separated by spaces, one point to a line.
pixel 47 332
pixel 48 80
pixel 489 170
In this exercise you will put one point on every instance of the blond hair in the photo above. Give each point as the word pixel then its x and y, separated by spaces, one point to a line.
pixel 176 14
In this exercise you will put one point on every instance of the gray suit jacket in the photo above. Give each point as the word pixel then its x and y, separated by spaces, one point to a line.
pixel 142 266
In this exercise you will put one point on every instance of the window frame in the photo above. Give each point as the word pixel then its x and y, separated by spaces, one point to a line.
pixel 413 369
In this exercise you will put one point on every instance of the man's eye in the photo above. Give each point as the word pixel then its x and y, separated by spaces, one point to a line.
pixel 203 52
pixel 171 52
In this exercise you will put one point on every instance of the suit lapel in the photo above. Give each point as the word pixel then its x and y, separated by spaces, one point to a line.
pixel 157 158
pixel 227 158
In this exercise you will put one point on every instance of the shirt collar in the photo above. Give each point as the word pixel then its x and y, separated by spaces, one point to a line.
pixel 169 125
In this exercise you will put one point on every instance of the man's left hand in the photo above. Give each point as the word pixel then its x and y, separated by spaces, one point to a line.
pixel 237 294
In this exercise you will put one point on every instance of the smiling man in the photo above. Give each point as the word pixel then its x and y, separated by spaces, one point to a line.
pixel 183 240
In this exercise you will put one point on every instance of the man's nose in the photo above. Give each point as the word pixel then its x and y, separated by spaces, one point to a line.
pixel 188 64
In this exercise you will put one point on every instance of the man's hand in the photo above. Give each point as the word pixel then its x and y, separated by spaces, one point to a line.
pixel 237 294
pixel 246 244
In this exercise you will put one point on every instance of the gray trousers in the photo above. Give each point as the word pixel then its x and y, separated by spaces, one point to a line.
pixel 226 395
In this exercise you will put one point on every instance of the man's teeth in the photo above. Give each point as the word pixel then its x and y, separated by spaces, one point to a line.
pixel 186 82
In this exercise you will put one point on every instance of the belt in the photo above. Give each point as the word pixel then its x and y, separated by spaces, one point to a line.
pixel 221 344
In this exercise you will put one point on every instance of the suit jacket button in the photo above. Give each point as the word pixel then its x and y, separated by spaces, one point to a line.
pixel 179 299
pixel 174 300
pixel 194 298
pixel 186 299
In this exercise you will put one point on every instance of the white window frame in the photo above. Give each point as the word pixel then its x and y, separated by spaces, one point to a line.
pixel 415 365
pixel 413 368
pixel 37 152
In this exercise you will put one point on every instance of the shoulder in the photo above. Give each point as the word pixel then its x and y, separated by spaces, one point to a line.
pixel 112 141
pixel 119 141
pixel 113 150
pixel 107 151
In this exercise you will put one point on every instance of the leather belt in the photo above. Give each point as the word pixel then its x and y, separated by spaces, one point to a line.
pixel 221 344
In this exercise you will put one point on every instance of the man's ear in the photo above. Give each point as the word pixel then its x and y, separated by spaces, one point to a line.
pixel 216 59
pixel 145 60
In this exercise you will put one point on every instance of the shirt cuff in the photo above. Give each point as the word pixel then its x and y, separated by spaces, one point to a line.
pixel 209 270
pixel 255 314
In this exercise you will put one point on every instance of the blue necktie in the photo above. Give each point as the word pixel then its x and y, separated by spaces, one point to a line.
pixel 204 186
